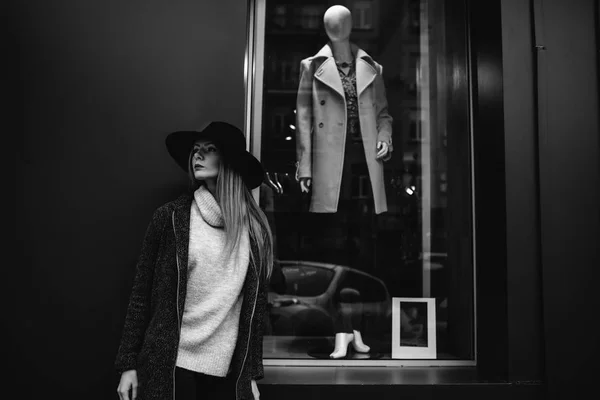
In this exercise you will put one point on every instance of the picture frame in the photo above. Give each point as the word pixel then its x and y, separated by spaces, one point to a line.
pixel 413 328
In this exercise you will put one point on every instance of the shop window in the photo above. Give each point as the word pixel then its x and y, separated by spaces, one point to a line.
pixel 365 230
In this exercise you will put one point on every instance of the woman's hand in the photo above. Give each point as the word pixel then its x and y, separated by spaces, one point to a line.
pixel 128 382
pixel 255 390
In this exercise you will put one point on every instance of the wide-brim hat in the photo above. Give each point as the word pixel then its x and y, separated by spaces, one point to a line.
pixel 231 143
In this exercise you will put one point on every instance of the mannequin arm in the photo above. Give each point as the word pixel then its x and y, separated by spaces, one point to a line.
pixel 304 121
pixel 384 119
pixel 383 151
pixel 305 184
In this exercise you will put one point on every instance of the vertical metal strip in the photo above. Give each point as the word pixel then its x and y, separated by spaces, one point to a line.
pixel 424 96
pixel 253 78
pixel 597 30
pixel 258 70
pixel 248 71
pixel 540 95
pixel 541 71
pixel 471 99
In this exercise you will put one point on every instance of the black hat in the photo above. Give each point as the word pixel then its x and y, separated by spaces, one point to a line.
pixel 231 143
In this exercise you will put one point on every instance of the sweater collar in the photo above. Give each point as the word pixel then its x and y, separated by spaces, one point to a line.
pixel 209 208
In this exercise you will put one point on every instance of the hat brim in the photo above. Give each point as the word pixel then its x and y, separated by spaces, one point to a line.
pixel 180 143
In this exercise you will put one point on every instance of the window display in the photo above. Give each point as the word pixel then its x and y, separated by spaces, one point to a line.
pixel 359 114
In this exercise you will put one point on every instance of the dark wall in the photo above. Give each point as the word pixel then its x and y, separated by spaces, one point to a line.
pixel 553 191
pixel 569 168
pixel 97 85
pixel 524 300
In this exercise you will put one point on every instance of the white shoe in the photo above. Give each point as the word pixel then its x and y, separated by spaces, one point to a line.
pixel 358 343
pixel 342 340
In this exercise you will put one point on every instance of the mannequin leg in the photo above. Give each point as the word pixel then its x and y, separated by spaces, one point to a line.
pixel 343 323
pixel 342 340
pixel 358 343
pixel 348 324
pixel 349 301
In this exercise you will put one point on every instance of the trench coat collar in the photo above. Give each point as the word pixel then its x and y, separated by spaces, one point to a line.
pixel 329 75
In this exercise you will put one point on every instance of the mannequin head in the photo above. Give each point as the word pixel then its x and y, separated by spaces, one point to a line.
pixel 338 23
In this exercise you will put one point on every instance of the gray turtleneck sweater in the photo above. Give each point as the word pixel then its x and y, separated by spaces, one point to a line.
pixel 214 294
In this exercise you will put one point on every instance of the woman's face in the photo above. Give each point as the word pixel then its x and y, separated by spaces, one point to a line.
pixel 206 159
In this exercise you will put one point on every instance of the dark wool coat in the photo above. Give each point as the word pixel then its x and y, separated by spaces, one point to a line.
pixel 152 326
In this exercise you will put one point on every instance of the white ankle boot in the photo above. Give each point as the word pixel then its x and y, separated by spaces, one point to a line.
pixel 358 343
pixel 342 340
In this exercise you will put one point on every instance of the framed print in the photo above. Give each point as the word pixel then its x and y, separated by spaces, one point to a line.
pixel 413 328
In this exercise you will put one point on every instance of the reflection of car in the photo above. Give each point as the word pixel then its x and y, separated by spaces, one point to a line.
pixel 309 301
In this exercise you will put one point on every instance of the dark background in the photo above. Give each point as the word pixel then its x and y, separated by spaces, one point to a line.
pixel 98 85
pixel 94 86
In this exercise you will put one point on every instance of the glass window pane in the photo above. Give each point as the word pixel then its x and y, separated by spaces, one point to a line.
pixel 363 129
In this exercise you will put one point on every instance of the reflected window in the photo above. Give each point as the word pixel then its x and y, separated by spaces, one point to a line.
pixel 362 12
pixel 306 280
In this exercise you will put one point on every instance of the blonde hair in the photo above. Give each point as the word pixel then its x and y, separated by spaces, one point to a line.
pixel 239 210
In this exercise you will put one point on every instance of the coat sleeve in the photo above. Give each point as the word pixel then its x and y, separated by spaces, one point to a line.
pixel 384 119
pixel 138 311
pixel 257 339
pixel 304 111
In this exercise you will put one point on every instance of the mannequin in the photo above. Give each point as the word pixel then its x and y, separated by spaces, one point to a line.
pixel 321 115
pixel 341 116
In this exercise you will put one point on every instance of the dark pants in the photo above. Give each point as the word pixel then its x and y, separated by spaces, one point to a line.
pixel 346 236
pixel 349 312
pixel 190 385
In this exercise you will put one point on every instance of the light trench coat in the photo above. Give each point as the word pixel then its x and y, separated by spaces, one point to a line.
pixel 321 126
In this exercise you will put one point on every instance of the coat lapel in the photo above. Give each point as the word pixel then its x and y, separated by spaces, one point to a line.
pixel 365 72
pixel 365 75
pixel 327 71
pixel 329 75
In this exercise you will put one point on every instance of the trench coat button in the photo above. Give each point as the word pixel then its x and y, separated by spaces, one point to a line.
pixel 322 102
pixel 320 124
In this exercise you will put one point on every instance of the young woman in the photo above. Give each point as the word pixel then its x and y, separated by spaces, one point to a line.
pixel 194 323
